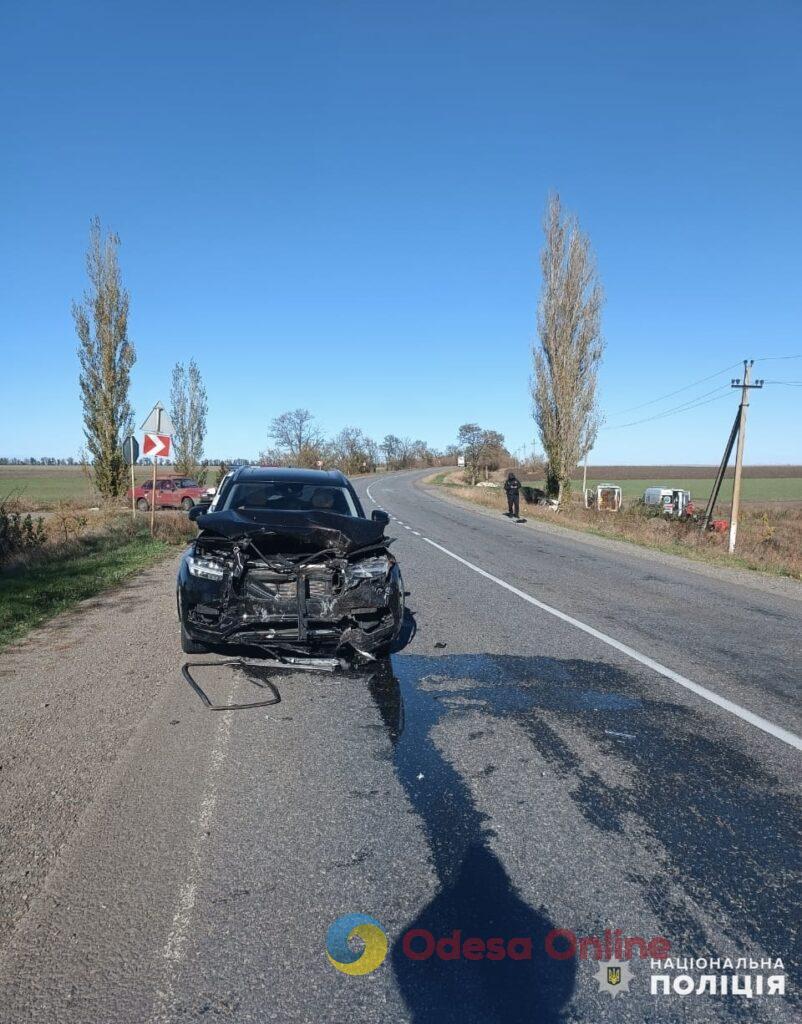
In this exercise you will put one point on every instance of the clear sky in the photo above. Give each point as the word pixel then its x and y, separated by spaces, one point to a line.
pixel 337 205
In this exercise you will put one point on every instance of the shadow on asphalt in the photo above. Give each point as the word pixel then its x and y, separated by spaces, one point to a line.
pixel 476 895
pixel 725 823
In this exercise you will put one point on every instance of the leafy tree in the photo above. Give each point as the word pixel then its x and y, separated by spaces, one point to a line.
pixel 567 356
pixel 106 356
pixel 188 409
pixel 472 441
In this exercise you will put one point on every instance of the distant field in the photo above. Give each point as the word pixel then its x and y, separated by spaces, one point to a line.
pixel 767 488
pixel 40 487
pixel 660 474
pixel 44 486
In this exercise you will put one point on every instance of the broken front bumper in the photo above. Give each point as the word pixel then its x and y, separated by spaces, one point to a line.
pixel 308 613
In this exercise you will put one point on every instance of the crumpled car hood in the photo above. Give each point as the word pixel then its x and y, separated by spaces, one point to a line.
pixel 314 531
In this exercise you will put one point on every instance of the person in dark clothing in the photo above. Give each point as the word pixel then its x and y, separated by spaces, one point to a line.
pixel 512 485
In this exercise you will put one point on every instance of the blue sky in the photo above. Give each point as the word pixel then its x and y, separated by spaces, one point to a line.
pixel 337 205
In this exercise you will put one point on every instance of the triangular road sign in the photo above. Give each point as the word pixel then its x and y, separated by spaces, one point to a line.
pixel 158 421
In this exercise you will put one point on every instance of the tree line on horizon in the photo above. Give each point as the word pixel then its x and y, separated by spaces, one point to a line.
pixel 565 363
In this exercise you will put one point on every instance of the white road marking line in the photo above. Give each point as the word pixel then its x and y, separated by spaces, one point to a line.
pixel 727 705
pixel 416 533
pixel 175 947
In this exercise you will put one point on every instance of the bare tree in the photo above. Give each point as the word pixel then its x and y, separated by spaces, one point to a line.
pixel 353 452
pixel 297 441
pixel 401 452
pixel 106 356
pixel 188 408
pixel 494 452
pixel 567 356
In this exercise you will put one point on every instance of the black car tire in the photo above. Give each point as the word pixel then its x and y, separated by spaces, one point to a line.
pixel 187 503
pixel 190 646
pixel 142 505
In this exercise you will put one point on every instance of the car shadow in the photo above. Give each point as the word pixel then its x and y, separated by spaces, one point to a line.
pixel 476 896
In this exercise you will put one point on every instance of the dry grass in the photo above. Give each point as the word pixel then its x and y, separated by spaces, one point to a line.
pixel 769 539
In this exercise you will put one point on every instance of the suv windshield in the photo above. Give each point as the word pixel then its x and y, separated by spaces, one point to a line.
pixel 286 496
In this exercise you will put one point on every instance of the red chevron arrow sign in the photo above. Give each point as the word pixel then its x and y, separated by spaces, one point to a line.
pixel 156 445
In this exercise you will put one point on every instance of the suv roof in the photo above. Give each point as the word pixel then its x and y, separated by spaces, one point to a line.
pixel 302 476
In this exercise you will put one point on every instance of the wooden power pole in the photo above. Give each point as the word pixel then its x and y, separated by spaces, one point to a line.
pixel 745 387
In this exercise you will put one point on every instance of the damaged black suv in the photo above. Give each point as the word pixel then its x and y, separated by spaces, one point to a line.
pixel 286 560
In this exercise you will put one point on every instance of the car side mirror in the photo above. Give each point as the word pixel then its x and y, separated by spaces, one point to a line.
pixel 198 510
pixel 378 516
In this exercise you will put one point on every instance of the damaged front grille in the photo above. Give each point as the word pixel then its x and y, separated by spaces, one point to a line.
pixel 262 584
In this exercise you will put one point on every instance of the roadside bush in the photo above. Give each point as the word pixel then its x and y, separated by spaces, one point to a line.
pixel 68 521
pixel 174 529
pixel 19 533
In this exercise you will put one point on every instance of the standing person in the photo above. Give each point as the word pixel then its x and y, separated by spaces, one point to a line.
pixel 512 485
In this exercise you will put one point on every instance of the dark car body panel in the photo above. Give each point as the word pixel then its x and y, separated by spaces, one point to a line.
pixel 318 529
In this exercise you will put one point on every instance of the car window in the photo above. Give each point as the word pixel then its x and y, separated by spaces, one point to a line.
pixel 286 496
pixel 165 485
pixel 147 486
pixel 189 483
pixel 218 501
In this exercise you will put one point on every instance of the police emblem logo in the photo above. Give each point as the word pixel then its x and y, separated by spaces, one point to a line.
pixel 613 976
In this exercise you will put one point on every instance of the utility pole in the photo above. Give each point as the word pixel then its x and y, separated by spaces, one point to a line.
pixel 585 476
pixel 745 387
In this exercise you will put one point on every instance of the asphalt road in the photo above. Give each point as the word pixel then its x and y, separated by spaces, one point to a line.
pixel 510 773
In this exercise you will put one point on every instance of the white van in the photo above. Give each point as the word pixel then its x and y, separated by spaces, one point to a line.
pixel 670 499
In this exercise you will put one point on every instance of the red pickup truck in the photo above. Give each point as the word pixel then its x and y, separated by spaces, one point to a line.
pixel 171 492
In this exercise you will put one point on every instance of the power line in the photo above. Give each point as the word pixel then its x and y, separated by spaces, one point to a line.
pixel 694 403
pixel 771 359
pixel 679 391
pixel 787 383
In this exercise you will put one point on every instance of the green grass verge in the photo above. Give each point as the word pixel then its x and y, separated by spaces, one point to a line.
pixel 32 594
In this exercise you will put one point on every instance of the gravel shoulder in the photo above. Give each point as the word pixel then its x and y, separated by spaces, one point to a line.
pixel 75 691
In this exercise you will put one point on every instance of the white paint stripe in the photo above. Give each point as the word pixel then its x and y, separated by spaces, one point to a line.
pixel 727 705
pixel 175 947
pixel 416 533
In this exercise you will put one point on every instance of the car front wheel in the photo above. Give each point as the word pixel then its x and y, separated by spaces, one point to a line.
pixel 188 645
pixel 142 505
pixel 187 503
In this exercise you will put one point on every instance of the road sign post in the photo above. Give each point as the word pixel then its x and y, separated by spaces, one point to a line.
pixel 130 455
pixel 158 429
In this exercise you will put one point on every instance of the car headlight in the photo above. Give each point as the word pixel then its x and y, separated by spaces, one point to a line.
pixel 370 568
pixel 206 568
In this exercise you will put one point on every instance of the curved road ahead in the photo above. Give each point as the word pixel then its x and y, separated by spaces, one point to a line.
pixel 577 736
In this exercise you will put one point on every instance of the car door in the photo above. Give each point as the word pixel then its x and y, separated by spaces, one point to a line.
pixel 166 494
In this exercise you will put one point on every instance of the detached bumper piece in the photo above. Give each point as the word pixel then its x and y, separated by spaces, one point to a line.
pixel 262 684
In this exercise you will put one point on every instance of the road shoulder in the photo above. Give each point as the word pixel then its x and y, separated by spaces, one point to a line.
pixel 778 585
